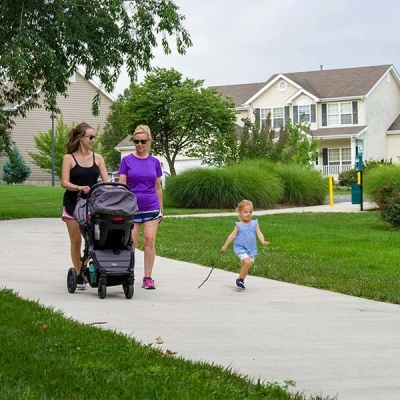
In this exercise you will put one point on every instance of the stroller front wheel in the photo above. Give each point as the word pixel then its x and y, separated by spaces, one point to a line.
pixel 102 290
pixel 71 280
pixel 128 290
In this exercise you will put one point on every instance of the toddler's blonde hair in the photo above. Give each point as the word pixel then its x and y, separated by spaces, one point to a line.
pixel 242 204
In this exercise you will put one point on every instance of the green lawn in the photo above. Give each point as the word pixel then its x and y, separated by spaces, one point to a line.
pixel 353 253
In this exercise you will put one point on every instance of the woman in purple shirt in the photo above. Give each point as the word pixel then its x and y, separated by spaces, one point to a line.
pixel 142 173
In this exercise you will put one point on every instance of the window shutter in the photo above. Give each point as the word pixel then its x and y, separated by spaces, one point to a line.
pixel 324 115
pixel 257 115
pixel 355 112
pixel 287 115
pixel 313 113
pixel 295 114
pixel 324 156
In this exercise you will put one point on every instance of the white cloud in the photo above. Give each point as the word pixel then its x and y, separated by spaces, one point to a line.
pixel 241 42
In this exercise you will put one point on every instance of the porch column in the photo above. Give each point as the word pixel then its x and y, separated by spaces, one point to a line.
pixel 353 152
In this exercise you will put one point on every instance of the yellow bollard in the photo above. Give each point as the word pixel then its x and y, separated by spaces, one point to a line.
pixel 330 190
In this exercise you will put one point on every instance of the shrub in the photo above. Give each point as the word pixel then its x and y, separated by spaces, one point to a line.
pixel 347 178
pixel 303 186
pixel 224 187
pixel 388 200
pixel 371 164
pixel 15 169
pixel 376 178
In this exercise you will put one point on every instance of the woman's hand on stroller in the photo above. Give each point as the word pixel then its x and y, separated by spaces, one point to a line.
pixel 85 189
pixel 82 190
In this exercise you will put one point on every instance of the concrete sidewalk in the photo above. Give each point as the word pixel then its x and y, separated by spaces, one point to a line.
pixel 330 344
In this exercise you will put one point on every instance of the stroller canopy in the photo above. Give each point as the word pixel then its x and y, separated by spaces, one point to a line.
pixel 110 200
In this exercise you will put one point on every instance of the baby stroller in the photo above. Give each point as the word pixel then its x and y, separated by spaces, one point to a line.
pixel 106 219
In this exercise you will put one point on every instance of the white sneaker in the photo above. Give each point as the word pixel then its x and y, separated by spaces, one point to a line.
pixel 80 283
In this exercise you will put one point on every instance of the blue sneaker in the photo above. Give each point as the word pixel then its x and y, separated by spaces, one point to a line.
pixel 240 284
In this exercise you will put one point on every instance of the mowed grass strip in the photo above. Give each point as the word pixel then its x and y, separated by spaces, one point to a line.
pixel 47 356
pixel 351 253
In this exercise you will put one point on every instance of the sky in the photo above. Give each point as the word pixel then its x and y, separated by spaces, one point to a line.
pixel 248 41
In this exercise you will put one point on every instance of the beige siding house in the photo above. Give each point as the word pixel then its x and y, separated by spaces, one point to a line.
pixel 346 108
pixel 75 108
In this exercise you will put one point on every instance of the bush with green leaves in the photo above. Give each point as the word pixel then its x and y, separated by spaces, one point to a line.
pixel 388 200
pixel 347 178
pixel 371 164
pixel 376 178
pixel 382 185
pixel 15 169
pixel 303 186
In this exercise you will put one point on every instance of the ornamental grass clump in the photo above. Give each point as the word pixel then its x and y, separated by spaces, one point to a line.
pixel 224 187
pixel 303 186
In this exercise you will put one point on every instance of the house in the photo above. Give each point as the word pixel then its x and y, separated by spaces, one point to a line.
pixel 75 108
pixel 348 109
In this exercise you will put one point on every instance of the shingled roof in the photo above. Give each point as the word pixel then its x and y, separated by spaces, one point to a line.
pixel 240 93
pixel 324 84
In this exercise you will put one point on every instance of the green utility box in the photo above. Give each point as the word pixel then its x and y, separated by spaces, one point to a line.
pixel 355 193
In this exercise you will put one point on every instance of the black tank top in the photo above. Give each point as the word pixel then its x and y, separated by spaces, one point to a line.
pixel 84 176
pixel 80 176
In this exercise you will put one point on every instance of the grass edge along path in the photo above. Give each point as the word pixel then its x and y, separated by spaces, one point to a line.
pixel 47 356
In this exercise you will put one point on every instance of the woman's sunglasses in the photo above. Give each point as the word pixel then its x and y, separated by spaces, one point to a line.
pixel 91 137
pixel 140 141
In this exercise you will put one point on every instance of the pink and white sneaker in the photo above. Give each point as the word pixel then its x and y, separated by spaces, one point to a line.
pixel 148 283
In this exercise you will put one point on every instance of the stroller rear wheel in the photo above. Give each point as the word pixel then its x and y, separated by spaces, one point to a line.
pixel 71 280
pixel 128 290
pixel 101 290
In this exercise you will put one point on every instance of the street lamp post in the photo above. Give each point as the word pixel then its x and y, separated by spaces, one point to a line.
pixel 52 150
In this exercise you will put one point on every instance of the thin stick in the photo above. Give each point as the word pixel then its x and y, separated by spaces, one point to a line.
pixel 215 263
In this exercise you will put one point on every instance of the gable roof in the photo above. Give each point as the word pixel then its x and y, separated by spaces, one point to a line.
pixel 338 83
pixel 97 86
pixel 322 84
pixel 395 127
pixel 125 143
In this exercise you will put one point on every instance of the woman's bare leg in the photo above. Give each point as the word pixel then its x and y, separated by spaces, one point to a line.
pixel 75 238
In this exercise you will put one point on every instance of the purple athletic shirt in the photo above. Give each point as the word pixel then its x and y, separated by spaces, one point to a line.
pixel 141 175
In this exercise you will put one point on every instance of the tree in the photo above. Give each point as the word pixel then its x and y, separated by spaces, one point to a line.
pixel 43 42
pixel 296 145
pixel 15 169
pixel 43 142
pixel 113 133
pixel 184 118
pixel 5 139
pixel 293 145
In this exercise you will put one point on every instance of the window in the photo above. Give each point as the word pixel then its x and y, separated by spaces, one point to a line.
pixel 305 113
pixel 341 156
pixel 282 86
pixel 277 116
pixel 339 113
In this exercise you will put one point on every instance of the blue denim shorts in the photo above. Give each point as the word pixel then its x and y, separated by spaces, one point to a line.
pixel 145 216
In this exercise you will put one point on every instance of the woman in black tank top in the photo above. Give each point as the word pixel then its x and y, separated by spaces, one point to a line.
pixel 81 169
